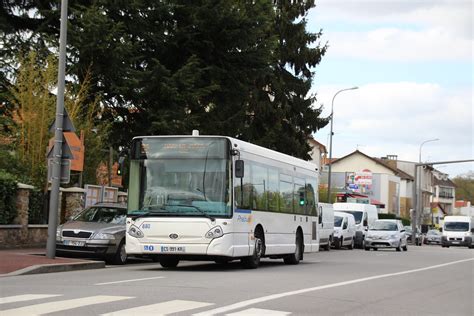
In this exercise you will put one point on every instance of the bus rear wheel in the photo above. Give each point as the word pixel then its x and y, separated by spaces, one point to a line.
pixel 169 262
pixel 298 255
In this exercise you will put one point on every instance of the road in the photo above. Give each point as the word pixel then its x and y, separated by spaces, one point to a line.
pixel 427 280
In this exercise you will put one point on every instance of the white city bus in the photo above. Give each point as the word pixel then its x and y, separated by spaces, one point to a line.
pixel 220 199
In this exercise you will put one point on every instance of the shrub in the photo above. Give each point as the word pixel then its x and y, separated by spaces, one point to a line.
pixel 8 188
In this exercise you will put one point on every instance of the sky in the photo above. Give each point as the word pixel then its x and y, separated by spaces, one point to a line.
pixel 412 61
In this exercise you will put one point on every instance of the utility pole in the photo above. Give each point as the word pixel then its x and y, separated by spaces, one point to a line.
pixel 58 138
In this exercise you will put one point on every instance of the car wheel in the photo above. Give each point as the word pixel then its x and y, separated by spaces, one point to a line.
pixel 367 248
pixel 399 248
pixel 338 243
pixel 375 249
pixel 351 245
pixel 405 248
pixel 120 256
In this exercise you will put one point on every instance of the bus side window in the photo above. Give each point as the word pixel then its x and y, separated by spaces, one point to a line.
pixel 310 198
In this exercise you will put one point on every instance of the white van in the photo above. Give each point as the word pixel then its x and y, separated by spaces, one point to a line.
pixel 364 215
pixel 344 230
pixel 326 225
pixel 458 231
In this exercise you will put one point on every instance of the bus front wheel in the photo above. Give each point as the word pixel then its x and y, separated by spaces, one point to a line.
pixel 169 262
pixel 253 261
pixel 295 258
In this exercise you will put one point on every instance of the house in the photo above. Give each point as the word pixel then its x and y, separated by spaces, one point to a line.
pixel 379 179
pixel 318 153
pixel 443 200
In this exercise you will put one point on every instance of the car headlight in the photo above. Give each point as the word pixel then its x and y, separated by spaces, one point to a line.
pixel 134 231
pixel 58 233
pixel 394 236
pixel 214 232
pixel 337 232
pixel 103 236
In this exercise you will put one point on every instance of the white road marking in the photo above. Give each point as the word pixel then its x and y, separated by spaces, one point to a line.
pixel 259 312
pixel 133 280
pixel 164 308
pixel 58 306
pixel 25 297
pixel 262 299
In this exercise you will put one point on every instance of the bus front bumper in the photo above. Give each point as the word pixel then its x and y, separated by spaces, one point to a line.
pixel 221 246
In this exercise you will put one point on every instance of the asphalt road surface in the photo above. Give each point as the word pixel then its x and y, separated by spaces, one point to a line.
pixel 427 280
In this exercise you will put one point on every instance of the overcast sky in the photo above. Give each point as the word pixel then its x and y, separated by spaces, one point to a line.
pixel 413 63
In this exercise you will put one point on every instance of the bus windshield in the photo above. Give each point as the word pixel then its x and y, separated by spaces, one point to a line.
pixel 180 177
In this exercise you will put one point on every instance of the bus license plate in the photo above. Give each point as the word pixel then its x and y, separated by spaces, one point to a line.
pixel 75 243
pixel 173 249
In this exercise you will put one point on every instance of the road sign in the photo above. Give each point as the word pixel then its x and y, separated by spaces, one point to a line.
pixel 65 149
pixel 65 170
pixel 67 123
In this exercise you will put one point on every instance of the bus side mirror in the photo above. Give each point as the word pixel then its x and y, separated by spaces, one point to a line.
pixel 239 168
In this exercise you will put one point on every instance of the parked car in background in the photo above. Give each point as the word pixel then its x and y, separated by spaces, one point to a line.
pixel 458 231
pixel 433 236
pixel 344 230
pixel 386 233
pixel 409 233
pixel 98 231
pixel 364 216
pixel 326 225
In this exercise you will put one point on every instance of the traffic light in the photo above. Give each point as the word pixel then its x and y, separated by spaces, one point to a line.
pixel 302 202
pixel 120 165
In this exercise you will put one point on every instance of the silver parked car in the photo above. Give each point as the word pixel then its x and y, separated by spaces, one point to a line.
pixel 386 233
pixel 433 236
pixel 98 231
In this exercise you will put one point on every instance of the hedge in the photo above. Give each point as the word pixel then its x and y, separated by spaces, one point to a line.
pixel 8 188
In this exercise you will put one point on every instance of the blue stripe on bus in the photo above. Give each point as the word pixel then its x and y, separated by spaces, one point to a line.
pixel 243 211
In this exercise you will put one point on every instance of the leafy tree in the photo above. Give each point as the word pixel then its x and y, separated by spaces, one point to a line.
pixel 464 188
pixel 168 67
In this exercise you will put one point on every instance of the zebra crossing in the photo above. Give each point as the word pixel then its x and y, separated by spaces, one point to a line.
pixel 59 304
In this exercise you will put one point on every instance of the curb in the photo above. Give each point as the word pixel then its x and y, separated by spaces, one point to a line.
pixel 57 267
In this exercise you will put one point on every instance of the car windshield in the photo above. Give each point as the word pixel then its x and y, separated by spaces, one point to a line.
pixel 389 226
pixel 338 221
pixel 109 215
pixel 456 226
pixel 357 215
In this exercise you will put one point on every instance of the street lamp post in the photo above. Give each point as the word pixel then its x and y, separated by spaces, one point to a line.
pixel 417 196
pixel 330 140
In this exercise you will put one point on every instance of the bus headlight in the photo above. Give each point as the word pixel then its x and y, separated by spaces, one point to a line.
pixel 214 232
pixel 134 231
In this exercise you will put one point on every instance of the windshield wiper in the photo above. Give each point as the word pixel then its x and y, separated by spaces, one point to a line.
pixel 145 214
pixel 196 208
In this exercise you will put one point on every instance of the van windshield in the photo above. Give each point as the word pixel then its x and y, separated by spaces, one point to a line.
pixel 357 215
pixel 456 226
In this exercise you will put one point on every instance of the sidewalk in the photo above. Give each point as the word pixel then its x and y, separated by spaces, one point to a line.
pixel 32 261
